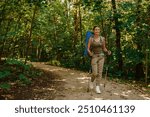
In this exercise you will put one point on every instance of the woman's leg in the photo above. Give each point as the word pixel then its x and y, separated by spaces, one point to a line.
pixel 99 76
pixel 100 70
pixel 94 68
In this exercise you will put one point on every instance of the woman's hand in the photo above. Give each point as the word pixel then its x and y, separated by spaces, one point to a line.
pixel 108 52
pixel 91 54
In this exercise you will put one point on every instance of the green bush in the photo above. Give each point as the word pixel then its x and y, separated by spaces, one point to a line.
pixel 4 74
pixel 5 86
pixel 13 70
pixel 24 79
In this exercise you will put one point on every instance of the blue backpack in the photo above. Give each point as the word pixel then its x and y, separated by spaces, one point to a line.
pixel 88 35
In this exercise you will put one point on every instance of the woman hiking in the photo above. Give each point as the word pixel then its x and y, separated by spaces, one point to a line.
pixel 96 49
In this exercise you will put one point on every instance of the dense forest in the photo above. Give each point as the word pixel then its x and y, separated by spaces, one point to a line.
pixel 54 31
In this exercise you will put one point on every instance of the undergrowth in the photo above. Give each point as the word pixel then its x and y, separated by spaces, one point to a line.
pixel 15 71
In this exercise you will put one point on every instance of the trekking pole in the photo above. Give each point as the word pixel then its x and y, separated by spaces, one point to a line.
pixel 89 79
pixel 106 72
pixel 88 85
pixel 105 76
pixel 88 89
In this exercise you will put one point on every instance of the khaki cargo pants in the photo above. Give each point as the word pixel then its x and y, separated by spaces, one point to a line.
pixel 97 63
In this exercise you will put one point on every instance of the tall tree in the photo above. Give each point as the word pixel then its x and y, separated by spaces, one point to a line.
pixel 29 38
pixel 76 23
pixel 139 72
pixel 80 20
pixel 118 36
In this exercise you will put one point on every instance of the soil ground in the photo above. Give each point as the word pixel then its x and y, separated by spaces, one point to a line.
pixel 59 83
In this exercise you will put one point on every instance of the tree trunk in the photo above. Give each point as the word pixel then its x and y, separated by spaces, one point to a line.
pixel 75 28
pixel 67 3
pixel 118 36
pixel 146 67
pixel 139 72
pixel 2 42
pixel 80 17
pixel 30 34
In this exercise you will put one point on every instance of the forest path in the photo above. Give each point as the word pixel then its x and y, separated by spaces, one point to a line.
pixel 73 86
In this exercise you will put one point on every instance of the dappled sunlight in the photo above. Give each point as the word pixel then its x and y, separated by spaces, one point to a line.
pixel 129 91
pixel 76 86
pixel 52 69
pixel 125 95
pixel 58 80
pixel 44 89
pixel 83 82
pixel 72 73
pixel 145 96
pixel 98 98
pixel 116 94
pixel 83 78
pixel 56 69
pixel 48 89
pixel 82 74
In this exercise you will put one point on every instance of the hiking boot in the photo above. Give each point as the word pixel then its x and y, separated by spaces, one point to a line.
pixel 98 89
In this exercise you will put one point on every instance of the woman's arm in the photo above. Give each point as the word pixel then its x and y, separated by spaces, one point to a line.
pixel 89 46
pixel 104 47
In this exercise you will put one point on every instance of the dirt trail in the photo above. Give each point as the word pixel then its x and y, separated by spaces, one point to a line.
pixel 73 86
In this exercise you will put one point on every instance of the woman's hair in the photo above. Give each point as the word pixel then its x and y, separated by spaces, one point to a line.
pixel 95 27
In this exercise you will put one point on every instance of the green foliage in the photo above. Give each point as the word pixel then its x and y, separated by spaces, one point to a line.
pixel 17 63
pixel 5 86
pixel 54 62
pixel 24 79
pixel 14 70
pixel 4 74
pixel 58 34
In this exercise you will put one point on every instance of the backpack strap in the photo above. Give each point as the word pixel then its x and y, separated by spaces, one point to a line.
pixel 92 38
pixel 101 39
